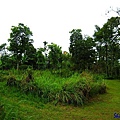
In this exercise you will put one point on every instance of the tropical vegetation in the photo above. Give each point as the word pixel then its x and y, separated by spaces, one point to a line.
pixel 49 75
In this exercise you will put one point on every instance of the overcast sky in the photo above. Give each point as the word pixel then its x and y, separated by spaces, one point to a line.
pixel 51 20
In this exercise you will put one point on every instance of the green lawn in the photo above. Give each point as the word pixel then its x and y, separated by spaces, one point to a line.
pixel 24 107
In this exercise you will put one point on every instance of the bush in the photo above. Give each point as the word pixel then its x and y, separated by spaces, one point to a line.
pixel 11 81
pixel 75 90
pixel 70 97
pixel 97 88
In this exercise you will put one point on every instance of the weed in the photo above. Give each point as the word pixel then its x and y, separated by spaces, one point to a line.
pixel 76 89
pixel 2 112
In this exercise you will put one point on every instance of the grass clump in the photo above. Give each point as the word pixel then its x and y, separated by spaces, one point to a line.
pixel 2 111
pixel 76 90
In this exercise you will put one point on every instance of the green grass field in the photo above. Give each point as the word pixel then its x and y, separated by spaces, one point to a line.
pixel 20 106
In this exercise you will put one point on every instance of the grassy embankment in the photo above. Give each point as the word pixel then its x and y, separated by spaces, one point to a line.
pixel 22 106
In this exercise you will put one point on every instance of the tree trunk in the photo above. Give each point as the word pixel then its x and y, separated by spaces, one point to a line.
pixel 107 61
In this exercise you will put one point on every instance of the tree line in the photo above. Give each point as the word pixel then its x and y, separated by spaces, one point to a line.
pixel 99 53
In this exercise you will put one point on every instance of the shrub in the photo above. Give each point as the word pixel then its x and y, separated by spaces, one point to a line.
pixel 70 97
pixel 11 81
pixel 76 89
pixel 97 88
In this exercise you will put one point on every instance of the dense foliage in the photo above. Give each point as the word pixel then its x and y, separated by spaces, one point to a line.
pixel 107 44
pixel 99 53
pixel 77 89
pixel 59 77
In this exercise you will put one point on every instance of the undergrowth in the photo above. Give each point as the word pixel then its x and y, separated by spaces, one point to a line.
pixel 76 90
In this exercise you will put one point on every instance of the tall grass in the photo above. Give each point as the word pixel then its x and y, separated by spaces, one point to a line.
pixel 77 89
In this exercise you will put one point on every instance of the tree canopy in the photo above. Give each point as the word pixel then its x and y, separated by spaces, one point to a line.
pixel 19 41
pixel 99 53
